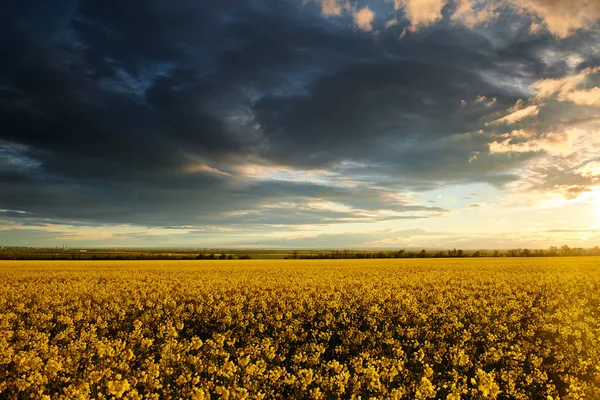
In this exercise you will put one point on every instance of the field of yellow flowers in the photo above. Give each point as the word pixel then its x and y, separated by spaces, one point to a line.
pixel 362 329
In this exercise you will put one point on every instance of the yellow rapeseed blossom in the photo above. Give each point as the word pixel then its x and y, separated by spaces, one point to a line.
pixel 118 387
pixel 359 329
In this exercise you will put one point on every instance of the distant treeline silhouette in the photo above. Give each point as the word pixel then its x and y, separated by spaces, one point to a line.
pixel 553 251
pixel 39 255
pixel 223 256
pixel 72 254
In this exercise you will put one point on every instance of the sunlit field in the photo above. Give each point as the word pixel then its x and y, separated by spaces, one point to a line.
pixel 386 329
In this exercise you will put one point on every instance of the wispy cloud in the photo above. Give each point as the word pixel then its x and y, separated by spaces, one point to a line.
pixel 472 13
pixel 589 170
pixel 555 143
pixel 562 87
pixel 516 116
pixel 205 168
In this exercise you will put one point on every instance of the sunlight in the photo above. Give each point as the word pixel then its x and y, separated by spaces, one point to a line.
pixel 594 199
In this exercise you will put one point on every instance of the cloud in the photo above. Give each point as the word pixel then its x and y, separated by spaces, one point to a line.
pixel 590 97
pixel 363 18
pixel 392 22
pixel 589 170
pixel 573 231
pixel 474 157
pixel 517 106
pixel 484 100
pixel 521 134
pixel 561 87
pixel 330 7
pixel 560 157
pixel 423 12
pixel 561 17
pixel 471 13
pixel 528 112
pixel 560 144
pixel 571 192
pixel 534 28
pixel 131 155
pixel 135 114
pixel 195 168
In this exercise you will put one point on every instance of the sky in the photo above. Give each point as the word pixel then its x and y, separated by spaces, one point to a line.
pixel 300 123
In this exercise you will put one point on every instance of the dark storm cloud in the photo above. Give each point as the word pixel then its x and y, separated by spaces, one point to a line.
pixel 205 202
pixel 106 107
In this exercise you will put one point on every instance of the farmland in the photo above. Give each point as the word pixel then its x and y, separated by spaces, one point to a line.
pixel 505 328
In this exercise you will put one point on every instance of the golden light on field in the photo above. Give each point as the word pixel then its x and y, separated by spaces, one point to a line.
pixel 387 329
pixel 410 190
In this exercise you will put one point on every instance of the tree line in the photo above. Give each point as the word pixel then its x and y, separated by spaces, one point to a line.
pixel 222 256
pixel 45 254
pixel 553 251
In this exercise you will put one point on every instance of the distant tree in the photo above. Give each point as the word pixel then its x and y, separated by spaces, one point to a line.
pixel 460 253
pixel 577 251
pixel 565 250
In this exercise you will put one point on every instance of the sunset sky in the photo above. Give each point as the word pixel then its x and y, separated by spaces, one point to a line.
pixel 300 123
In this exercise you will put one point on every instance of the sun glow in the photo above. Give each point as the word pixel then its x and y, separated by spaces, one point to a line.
pixel 593 197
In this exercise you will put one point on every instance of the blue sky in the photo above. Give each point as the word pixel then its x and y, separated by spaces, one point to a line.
pixel 300 123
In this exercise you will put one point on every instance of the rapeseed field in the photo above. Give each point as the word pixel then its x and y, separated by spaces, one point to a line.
pixel 272 329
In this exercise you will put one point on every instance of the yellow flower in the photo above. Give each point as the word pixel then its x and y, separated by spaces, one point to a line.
pixel 118 387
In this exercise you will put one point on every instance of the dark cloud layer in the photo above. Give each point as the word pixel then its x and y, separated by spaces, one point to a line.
pixel 145 112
